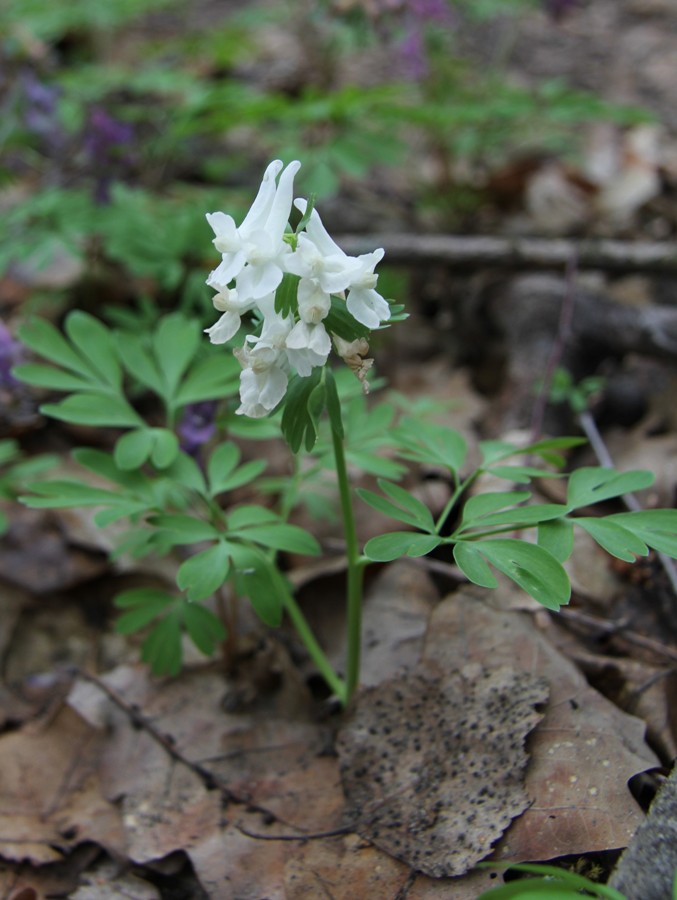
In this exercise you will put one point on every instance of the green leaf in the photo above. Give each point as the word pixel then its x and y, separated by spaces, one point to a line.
pixel 95 342
pixel 431 444
pixel 656 527
pixel 299 426
pixel 44 339
pixel 531 567
pixel 162 648
pixel 470 561
pixel 522 474
pixel 286 295
pixel 185 471
pixel 145 604
pixel 411 504
pixel 222 462
pixel 50 377
pixel 139 362
pixel 250 514
pixel 203 574
pixel 204 628
pixel 613 538
pixel 418 517
pixel 105 517
pixel 339 321
pixel 289 538
pixel 165 448
pixel 103 464
pixel 94 409
pixel 557 537
pixel 214 378
pixel 185 529
pixel 490 502
pixel 387 547
pixel 258 579
pixel 175 344
pixel 591 484
pixel 56 494
pixel 133 448
pixel 521 516
pixel 547 449
pixel 560 879
pixel 373 464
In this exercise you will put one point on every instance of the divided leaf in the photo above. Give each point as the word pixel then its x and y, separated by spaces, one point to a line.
pixel 204 628
pixel 387 547
pixel 614 538
pixel 399 505
pixel 591 484
pixel 205 572
pixel 656 527
pixel 532 567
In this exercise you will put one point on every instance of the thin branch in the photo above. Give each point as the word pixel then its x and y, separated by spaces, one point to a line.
pixel 209 779
pixel 487 251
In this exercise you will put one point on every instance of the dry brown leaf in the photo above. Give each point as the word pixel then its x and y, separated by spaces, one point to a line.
pixel 50 793
pixel 35 554
pixel 582 754
pixel 433 765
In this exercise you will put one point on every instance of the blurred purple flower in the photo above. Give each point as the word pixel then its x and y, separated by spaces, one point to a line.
pixel 417 15
pixel 197 425
pixel 106 146
pixel 11 353
pixel 40 110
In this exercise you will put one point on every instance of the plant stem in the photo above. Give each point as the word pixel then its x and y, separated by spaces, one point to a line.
pixel 356 564
pixel 312 646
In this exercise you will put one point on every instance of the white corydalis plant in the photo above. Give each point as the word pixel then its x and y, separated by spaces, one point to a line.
pixel 292 337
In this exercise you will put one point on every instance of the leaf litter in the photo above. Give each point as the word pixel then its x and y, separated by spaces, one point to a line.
pixel 259 802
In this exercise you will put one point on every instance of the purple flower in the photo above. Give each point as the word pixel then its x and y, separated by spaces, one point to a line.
pixel 197 425
pixel 106 146
pixel 11 353
pixel 418 14
pixel 40 110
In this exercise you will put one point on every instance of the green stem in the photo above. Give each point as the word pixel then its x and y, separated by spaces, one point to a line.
pixel 356 564
pixel 316 652
pixel 453 500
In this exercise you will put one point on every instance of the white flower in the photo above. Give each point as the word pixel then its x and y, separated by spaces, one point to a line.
pixel 307 346
pixel 317 257
pixel 314 303
pixel 261 390
pixel 264 378
pixel 363 302
pixel 233 308
pixel 254 253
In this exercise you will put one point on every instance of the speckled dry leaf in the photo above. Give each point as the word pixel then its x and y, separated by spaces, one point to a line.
pixel 50 792
pixel 433 767
pixel 582 754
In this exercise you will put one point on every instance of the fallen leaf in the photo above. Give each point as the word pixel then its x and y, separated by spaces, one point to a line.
pixel 50 793
pixel 433 765
pixel 584 751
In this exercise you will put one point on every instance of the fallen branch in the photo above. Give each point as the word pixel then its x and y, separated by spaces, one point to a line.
pixel 471 252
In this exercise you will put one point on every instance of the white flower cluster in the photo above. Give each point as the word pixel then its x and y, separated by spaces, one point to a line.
pixel 254 260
